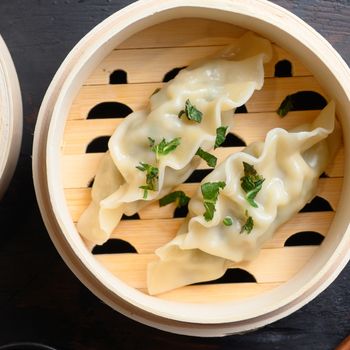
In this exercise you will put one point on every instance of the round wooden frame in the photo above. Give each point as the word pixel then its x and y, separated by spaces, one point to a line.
pixel 214 319
pixel 10 117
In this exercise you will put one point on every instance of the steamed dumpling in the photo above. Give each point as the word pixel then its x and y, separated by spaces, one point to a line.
pixel 215 87
pixel 290 164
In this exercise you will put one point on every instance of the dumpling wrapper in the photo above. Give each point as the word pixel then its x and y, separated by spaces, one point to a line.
pixel 216 87
pixel 290 162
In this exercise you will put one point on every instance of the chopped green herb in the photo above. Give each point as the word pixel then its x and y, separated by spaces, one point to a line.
pixel 151 141
pixel 163 148
pixel 178 196
pixel 155 91
pixel 220 136
pixel 251 183
pixel 209 211
pixel 210 192
pixel 209 158
pixel 227 221
pixel 191 112
pixel 286 106
pixel 151 178
pixel 251 196
pixel 249 224
pixel 145 189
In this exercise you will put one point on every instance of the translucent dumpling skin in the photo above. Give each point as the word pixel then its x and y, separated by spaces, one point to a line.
pixel 289 162
pixel 215 86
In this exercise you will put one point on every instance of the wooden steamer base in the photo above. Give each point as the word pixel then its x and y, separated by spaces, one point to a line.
pixel 85 103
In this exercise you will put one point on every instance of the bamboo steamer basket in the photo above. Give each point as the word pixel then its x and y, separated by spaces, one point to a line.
pixel 10 117
pixel 146 40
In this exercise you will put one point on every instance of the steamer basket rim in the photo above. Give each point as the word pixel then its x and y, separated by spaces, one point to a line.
pixel 70 77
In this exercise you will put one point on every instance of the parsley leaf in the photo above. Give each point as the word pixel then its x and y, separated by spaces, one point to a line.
pixel 251 183
pixel 220 136
pixel 145 189
pixel 151 178
pixel 209 211
pixel 163 148
pixel 209 158
pixel 286 106
pixel 191 112
pixel 248 225
pixel 210 192
pixel 177 196
pixel 227 221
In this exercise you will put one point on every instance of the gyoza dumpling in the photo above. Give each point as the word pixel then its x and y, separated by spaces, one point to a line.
pixel 155 150
pixel 243 201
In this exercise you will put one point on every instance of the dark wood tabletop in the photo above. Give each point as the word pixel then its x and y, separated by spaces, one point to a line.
pixel 40 298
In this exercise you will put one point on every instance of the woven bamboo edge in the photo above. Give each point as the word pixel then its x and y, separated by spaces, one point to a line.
pixel 263 316
pixel 11 120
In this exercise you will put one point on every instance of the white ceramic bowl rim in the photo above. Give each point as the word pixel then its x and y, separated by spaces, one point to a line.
pixel 108 35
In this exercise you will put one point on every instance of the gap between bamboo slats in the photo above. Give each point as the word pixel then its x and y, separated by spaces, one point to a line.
pixel 79 198
pixel 158 61
pixel 136 96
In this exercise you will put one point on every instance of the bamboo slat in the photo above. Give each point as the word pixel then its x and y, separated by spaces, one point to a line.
pixel 80 169
pixel 131 267
pixel 79 198
pixel 183 32
pixel 136 95
pixel 158 61
pixel 217 293
pixel 161 231
pixel 79 133
pixel 328 189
